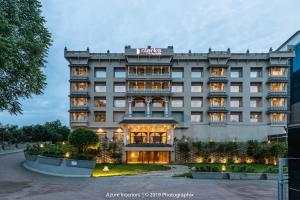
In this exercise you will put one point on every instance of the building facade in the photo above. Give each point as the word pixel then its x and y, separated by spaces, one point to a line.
pixel 148 97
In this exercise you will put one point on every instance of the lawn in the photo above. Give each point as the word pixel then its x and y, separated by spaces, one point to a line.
pixel 126 169
pixel 257 168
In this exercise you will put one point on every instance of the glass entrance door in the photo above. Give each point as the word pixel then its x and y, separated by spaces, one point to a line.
pixel 148 157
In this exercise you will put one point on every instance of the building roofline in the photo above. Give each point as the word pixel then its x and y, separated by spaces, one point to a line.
pixel 288 40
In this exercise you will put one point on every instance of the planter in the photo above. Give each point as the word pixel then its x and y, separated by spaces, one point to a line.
pixel 210 175
pixel 271 176
pixel 59 166
pixel 247 176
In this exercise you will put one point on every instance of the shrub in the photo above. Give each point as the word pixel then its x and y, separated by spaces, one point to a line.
pixel 184 148
pixel 33 150
pixel 272 170
pixel 81 138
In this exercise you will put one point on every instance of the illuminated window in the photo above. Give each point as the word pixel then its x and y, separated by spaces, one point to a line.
pixel 79 116
pixel 216 86
pixel 255 102
pixel 157 103
pixel 277 87
pixel 255 87
pixel 100 116
pixel 216 71
pixel 196 117
pixel 236 102
pixel 255 117
pixel 79 71
pixel 277 71
pixel 236 87
pixel 100 101
pixel 277 117
pixel 139 103
pixel 216 102
pixel 217 117
pixel 235 117
pixel 79 101
pixel 79 86
pixel 277 102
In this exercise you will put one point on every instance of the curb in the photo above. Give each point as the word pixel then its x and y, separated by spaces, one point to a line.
pixel 11 152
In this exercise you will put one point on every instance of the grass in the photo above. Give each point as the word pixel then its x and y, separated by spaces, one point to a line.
pixel 126 169
pixel 257 168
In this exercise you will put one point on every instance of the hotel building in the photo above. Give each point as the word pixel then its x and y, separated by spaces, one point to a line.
pixel 148 97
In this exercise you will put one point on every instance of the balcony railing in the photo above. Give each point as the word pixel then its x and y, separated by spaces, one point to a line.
pixel 79 107
pixel 148 91
pixel 81 78
pixel 217 79
pixel 282 123
pixel 79 93
pixel 277 94
pixel 217 93
pixel 277 109
pixel 216 108
pixel 149 76
pixel 79 122
pixel 277 79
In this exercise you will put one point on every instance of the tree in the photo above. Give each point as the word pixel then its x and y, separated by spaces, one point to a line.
pixel 57 131
pixel 82 138
pixel 24 43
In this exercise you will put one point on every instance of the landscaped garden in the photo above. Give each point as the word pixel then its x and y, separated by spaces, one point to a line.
pixel 126 169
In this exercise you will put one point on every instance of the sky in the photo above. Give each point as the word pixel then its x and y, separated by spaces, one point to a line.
pixel 195 25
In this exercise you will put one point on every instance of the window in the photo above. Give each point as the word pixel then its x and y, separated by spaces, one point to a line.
pixel 177 103
pixel 139 103
pixel 216 71
pixel 236 73
pixel 100 73
pixel 79 71
pixel 216 86
pixel 255 73
pixel 277 71
pixel 255 102
pixel 196 117
pixel 217 117
pixel 177 87
pixel 277 87
pixel 235 117
pixel 197 72
pixel 216 102
pixel 79 86
pixel 79 101
pixel 277 102
pixel 118 116
pixel 100 101
pixel 177 73
pixel 119 87
pixel 236 102
pixel 157 103
pixel 236 87
pixel 100 87
pixel 178 116
pixel 119 73
pixel 196 87
pixel 255 117
pixel 100 116
pixel 79 116
pixel 196 102
pixel 119 103
pixel 255 87
pixel 277 117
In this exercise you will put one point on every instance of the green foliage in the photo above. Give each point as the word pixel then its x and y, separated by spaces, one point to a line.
pixel 82 138
pixel 209 168
pixel 184 175
pixel 184 148
pixel 24 42
pixel 197 148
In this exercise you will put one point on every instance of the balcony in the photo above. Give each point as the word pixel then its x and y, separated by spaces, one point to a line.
pixel 272 109
pixel 277 79
pixel 147 76
pixel 148 91
pixel 215 108
pixel 79 93
pixel 75 78
pixel 217 79
pixel 217 123
pixel 217 93
pixel 277 94
pixel 78 108
pixel 79 123
pixel 278 123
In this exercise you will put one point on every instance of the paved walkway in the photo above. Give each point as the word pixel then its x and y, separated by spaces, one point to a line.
pixel 17 183
pixel 175 169
pixel 3 152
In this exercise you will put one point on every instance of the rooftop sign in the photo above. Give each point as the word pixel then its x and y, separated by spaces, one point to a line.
pixel 149 51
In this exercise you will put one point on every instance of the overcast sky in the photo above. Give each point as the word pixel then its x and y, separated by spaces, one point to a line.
pixel 186 24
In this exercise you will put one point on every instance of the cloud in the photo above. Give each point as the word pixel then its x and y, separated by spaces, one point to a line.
pixel 186 24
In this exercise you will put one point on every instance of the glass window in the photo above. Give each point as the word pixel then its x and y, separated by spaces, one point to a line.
pixel 79 117
pixel 196 117
pixel 255 87
pixel 196 87
pixel 177 87
pixel 216 71
pixel 100 101
pixel 79 86
pixel 236 102
pixel 236 73
pixel 277 71
pixel 79 101
pixel 255 117
pixel 139 103
pixel 157 103
pixel 120 73
pixel 216 102
pixel 176 103
pixel 255 102
pixel 236 87
pixel 100 116
pixel 277 102
pixel 196 73
pixel 196 102
pixel 217 117
pixel 277 87
pixel 100 73
pixel 79 71
pixel 216 86
pixel 177 73
pixel 256 72
pixel 119 103
pixel 278 117
pixel 235 117
pixel 119 87
pixel 100 87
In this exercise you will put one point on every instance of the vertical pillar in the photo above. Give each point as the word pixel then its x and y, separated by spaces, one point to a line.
pixel 148 114
pixel 172 136
pixel 166 106
pixel 129 107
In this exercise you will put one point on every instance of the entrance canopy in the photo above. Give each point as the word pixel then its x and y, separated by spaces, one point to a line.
pixel 148 120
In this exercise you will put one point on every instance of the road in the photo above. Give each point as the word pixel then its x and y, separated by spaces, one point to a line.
pixel 18 183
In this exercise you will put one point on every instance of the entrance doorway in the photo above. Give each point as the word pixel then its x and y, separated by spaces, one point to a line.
pixel 148 157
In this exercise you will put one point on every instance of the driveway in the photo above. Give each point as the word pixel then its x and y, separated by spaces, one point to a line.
pixel 18 183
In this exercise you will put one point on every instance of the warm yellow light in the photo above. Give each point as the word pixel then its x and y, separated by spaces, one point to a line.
pixel 42 145
pixel 212 159
pixel 67 154
pixel 199 159
pixel 269 141
pixel 223 168
pixel 223 160
pixel 236 160
pixel 266 161
pixel 105 169
pixel 119 130
pixel 249 160
pixel 275 162
pixel 63 143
